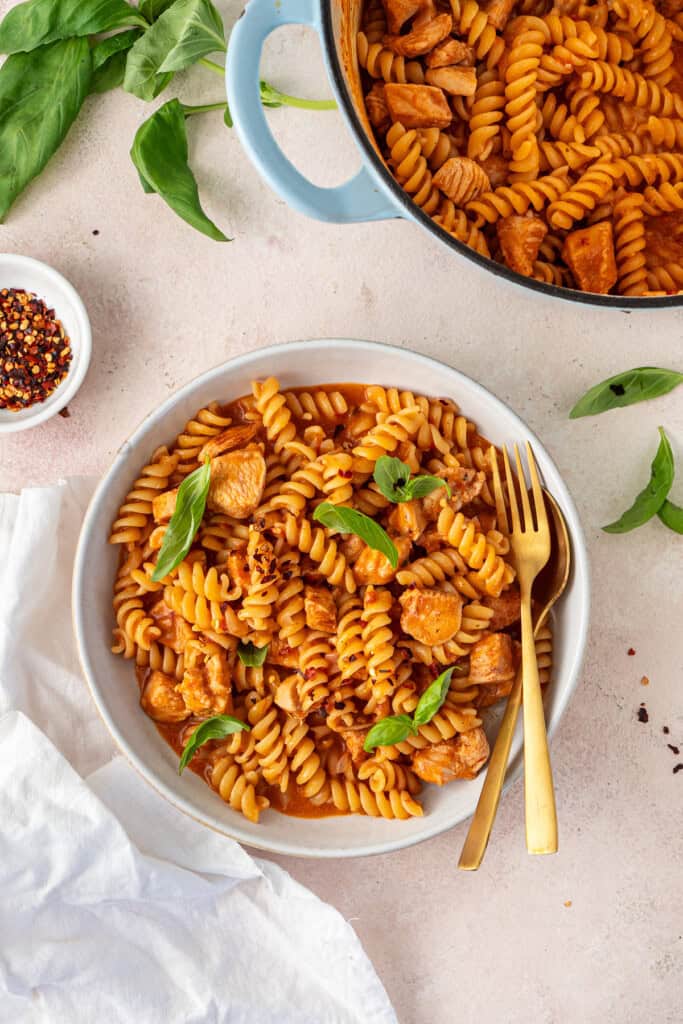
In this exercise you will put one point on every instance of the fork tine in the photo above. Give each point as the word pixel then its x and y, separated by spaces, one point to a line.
pixel 501 511
pixel 512 497
pixel 539 503
pixel 524 494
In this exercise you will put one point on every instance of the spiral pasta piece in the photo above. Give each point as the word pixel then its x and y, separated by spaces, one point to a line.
pixel 298 490
pixel 237 788
pixel 316 543
pixel 520 197
pixel 445 724
pixel 381 62
pixel 258 606
pixel 269 744
pixel 378 637
pixel 410 167
pixel 486 115
pixel 289 607
pixel 349 642
pixel 382 775
pixel 304 761
pixel 436 146
pixel 134 516
pixel 478 32
pixel 188 444
pixel 632 87
pixel 432 569
pixel 272 407
pixel 317 406
pixel 385 437
pixel 337 476
pixel 357 798
pixel 455 222
pixel 665 199
pixel 629 239
pixel 521 71
pixel 492 573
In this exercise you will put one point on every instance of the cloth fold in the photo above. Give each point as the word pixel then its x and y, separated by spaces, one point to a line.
pixel 116 905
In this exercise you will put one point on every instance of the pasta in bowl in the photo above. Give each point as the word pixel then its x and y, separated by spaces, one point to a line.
pixel 282 639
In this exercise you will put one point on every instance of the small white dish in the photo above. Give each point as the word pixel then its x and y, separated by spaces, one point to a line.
pixel 48 284
pixel 112 680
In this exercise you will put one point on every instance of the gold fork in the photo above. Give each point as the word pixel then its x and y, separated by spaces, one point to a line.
pixel 530 545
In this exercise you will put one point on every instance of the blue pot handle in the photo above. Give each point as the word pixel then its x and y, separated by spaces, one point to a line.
pixel 358 199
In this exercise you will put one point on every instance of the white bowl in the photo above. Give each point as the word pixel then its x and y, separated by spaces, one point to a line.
pixel 33 276
pixel 112 681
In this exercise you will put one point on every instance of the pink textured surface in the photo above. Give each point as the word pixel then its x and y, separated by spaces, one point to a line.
pixel 165 304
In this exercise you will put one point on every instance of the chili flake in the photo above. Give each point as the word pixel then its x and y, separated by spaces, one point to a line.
pixel 35 352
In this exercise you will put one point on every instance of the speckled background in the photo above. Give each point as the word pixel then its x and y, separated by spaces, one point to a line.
pixel 592 936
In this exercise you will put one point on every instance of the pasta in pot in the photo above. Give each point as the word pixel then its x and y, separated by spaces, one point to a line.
pixel 508 120
pixel 349 639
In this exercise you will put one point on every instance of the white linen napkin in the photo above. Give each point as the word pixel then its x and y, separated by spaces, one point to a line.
pixel 114 905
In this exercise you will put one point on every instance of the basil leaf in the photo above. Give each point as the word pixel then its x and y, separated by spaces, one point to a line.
pixel 185 521
pixel 185 31
pixel 160 155
pixel 392 476
pixel 432 699
pixel 650 500
pixel 41 94
pixel 627 388
pixel 251 655
pixel 672 516
pixel 348 520
pixel 151 9
pixel 390 730
pixel 109 60
pixel 39 22
pixel 214 728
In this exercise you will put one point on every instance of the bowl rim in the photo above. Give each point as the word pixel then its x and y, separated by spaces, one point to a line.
pixel 87 537
pixel 413 212
pixel 63 394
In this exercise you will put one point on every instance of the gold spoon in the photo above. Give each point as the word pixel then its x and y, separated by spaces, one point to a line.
pixel 548 587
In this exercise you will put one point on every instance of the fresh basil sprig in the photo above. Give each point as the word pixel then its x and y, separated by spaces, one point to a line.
pixel 185 521
pixel 650 500
pixel 38 22
pixel 671 515
pixel 396 728
pixel 215 728
pixel 160 155
pixel 109 60
pixel 349 520
pixel 638 385
pixel 392 476
pixel 41 94
pixel 251 655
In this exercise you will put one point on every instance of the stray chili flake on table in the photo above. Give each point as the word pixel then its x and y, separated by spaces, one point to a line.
pixel 35 353
pixel 631 651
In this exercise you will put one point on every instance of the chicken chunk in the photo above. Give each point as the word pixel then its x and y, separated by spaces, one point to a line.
pixel 450 51
pixel 320 609
pixel 206 686
pixel 280 653
pixel 378 112
pixel 456 81
pixel 430 616
pixel 407 519
pixel 459 758
pixel 520 239
pixel 398 12
pixel 418 106
pixel 465 484
pixel 233 437
pixel 354 740
pixel 589 254
pixel 351 547
pixel 498 12
pixel 372 566
pixel 175 630
pixel 237 482
pixel 492 660
pixel 160 699
pixel 420 39
pixel 238 568
pixel 505 609
pixel 163 505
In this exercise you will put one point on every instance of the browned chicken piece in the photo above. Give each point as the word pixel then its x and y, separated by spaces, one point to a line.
pixel 498 12
pixel 422 39
pixel 354 740
pixel 407 519
pixel 459 758
pixel 461 179
pixel 426 13
pixel 456 81
pixel 450 51
pixel 506 609
pixel 161 701
pixel 398 12
pixel 238 568
pixel 175 630
pixel 237 482
pixel 373 567
pixel 430 616
pixel 378 111
pixel 163 505
pixel 492 660
pixel 431 541
pixel 520 239
pixel 418 106
pixel 233 437
pixel 320 609
pixel 206 682
pixel 589 254
pixel 351 547
pixel 280 653
pixel 287 695
pixel 465 483
pixel 497 169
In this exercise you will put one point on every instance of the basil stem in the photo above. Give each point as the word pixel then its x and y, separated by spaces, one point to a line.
pixel 638 385
pixel 251 655
pixel 185 521
pixel 671 515
pixel 349 520
pixel 214 728
pixel 650 500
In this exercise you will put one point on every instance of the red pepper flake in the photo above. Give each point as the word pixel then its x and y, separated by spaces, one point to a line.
pixel 673 749
pixel 64 413
pixel 631 651
pixel 678 768
pixel 665 730
pixel 644 681
pixel 35 353
pixel 642 714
